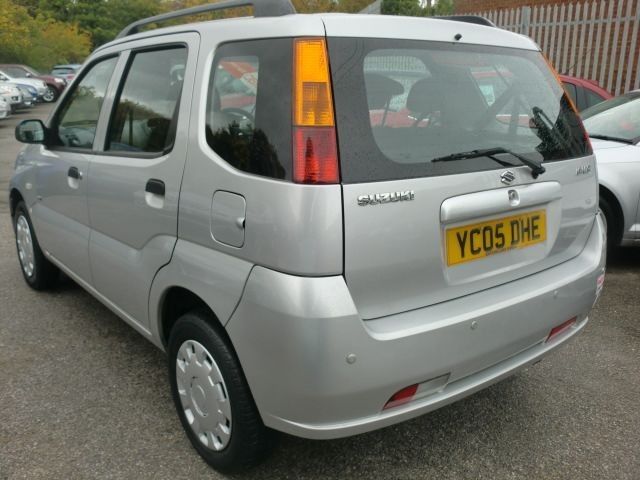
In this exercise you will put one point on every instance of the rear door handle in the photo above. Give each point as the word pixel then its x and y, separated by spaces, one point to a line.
pixel 155 187
pixel 74 173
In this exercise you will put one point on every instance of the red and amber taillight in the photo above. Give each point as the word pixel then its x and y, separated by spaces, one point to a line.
pixel 315 150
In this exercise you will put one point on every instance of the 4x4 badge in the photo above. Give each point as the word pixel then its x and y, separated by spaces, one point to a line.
pixel 507 177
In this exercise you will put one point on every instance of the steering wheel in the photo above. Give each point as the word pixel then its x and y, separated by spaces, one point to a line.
pixel 238 112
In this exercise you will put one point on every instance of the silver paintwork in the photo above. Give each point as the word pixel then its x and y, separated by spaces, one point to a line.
pixel 619 172
pixel 25 246
pixel 329 398
pixel 203 395
pixel 415 264
pixel 311 266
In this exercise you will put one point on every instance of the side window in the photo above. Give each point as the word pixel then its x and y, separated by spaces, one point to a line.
pixel 146 111
pixel 572 92
pixel 592 98
pixel 78 118
pixel 16 72
pixel 248 120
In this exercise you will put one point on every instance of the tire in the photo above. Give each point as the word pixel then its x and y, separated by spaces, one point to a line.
pixel 51 95
pixel 612 224
pixel 199 350
pixel 38 272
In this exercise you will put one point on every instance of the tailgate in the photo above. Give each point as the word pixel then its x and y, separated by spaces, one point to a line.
pixel 426 219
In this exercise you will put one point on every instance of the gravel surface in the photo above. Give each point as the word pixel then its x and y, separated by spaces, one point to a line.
pixel 84 396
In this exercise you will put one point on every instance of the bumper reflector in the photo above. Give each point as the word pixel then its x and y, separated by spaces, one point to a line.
pixel 560 329
pixel 403 396
pixel 417 391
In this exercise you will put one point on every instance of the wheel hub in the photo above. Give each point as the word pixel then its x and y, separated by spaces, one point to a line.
pixel 203 395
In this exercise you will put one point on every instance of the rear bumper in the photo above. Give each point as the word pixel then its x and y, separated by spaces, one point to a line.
pixel 293 336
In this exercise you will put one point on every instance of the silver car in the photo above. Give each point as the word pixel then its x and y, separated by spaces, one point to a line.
pixel 320 218
pixel 12 95
pixel 39 85
pixel 5 106
pixel 614 129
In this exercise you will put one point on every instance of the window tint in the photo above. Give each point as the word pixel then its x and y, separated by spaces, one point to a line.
pixel 248 119
pixel 78 118
pixel 618 117
pixel 402 104
pixel 592 98
pixel 145 117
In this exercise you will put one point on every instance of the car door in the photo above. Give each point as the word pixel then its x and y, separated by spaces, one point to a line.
pixel 60 215
pixel 135 179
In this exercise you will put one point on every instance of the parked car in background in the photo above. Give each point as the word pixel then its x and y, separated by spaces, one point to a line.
pixel 54 85
pixel 39 85
pixel 614 129
pixel 12 93
pixel 66 71
pixel 29 96
pixel 5 107
pixel 584 93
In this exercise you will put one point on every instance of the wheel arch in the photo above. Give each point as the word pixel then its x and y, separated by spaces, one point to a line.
pixel 15 197
pixel 196 277
pixel 613 201
pixel 175 302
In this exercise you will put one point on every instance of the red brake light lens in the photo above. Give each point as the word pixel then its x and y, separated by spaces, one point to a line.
pixel 315 156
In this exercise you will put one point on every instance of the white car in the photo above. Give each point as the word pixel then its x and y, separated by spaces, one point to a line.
pixel 5 107
pixel 614 129
pixel 12 93
pixel 39 85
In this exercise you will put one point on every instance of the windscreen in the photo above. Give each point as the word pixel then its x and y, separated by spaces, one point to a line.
pixel 402 106
pixel 615 118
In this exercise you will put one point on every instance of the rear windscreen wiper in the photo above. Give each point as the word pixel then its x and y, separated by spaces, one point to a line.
pixel 536 168
pixel 611 138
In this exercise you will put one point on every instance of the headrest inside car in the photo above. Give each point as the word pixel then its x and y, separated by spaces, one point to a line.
pixel 425 96
pixel 380 90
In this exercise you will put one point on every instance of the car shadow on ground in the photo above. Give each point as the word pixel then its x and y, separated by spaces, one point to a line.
pixel 624 258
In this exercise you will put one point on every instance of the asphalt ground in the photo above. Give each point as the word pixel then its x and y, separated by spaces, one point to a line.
pixel 84 396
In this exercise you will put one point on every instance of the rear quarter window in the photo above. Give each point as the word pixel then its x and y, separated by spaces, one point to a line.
pixel 248 116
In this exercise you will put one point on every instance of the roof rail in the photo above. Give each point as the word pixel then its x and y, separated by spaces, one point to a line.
pixel 261 8
pixel 478 20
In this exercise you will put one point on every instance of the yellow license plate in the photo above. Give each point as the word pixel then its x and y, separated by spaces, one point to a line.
pixel 480 240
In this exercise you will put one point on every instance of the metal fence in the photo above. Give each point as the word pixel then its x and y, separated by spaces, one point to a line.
pixel 595 39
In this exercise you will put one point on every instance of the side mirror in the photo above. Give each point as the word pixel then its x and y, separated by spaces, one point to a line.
pixel 28 75
pixel 31 131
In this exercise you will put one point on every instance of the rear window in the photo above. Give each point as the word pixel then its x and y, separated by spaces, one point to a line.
pixel 401 104
pixel 248 120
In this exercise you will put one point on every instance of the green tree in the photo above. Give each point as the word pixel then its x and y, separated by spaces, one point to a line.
pixel 416 8
pixel 38 41
pixel 401 7
pixel 14 31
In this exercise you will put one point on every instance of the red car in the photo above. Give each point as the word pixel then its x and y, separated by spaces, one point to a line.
pixel 584 93
pixel 55 85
